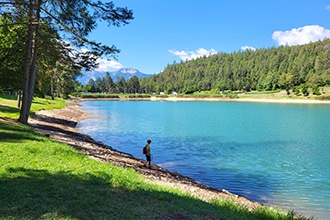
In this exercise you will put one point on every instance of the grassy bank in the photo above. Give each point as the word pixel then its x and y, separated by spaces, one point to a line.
pixel 9 109
pixel 216 94
pixel 43 179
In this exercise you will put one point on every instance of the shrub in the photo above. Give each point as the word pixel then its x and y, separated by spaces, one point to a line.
pixel 304 90
pixel 296 91
pixel 316 90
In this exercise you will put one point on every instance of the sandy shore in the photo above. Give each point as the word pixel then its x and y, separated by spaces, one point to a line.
pixel 59 125
pixel 285 101
pixel 262 100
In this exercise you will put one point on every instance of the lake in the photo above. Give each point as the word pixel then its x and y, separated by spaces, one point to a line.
pixel 276 154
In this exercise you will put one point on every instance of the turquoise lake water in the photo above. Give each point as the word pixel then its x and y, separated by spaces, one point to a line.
pixel 276 154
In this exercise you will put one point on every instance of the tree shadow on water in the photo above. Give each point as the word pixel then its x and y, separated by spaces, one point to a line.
pixel 38 194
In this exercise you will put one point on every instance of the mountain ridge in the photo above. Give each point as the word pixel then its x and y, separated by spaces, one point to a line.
pixel 127 73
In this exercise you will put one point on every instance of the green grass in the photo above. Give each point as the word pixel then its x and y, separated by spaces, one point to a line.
pixel 325 95
pixel 9 109
pixel 43 179
pixel 278 94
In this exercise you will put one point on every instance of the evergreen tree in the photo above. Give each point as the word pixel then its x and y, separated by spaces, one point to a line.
pixel 133 85
pixel 75 18
pixel 108 84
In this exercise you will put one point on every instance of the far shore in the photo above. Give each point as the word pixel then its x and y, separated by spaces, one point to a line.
pixel 220 99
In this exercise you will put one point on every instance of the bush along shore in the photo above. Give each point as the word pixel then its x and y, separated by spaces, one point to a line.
pixel 50 171
pixel 279 96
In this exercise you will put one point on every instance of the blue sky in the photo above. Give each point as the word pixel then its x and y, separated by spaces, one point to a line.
pixel 164 31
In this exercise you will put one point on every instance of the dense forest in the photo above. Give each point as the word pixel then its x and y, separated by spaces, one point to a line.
pixel 107 85
pixel 285 67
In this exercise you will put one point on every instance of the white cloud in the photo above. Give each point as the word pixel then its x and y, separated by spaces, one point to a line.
pixel 189 55
pixel 302 35
pixel 106 65
pixel 248 48
pixel 327 7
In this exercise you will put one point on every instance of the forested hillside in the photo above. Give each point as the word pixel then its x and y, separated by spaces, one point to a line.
pixel 284 67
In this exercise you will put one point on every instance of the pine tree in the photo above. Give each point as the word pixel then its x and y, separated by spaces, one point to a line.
pixel 74 19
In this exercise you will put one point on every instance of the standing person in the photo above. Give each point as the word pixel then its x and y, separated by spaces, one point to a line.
pixel 148 154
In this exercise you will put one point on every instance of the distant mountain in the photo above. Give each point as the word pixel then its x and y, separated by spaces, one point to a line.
pixel 127 73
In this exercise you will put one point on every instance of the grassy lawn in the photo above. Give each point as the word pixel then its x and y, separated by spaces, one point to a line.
pixel 43 179
pixel 280 94
pixel 325 94
pixel 9 109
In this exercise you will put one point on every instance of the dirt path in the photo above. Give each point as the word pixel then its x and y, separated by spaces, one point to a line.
pixel 60 125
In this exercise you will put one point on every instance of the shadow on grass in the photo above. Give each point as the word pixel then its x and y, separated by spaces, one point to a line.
pixel 11 131
pixel 38 194
pixel 11 97
pixel 10 110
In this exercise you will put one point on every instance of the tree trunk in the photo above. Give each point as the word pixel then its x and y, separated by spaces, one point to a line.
pixel 30 60
pixel 52 84
pixel 19 99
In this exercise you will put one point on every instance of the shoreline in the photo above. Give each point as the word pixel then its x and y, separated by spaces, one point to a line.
pixel 60 126
pixel 215 99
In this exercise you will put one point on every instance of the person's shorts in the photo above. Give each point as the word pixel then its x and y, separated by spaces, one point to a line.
pixel 148 157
